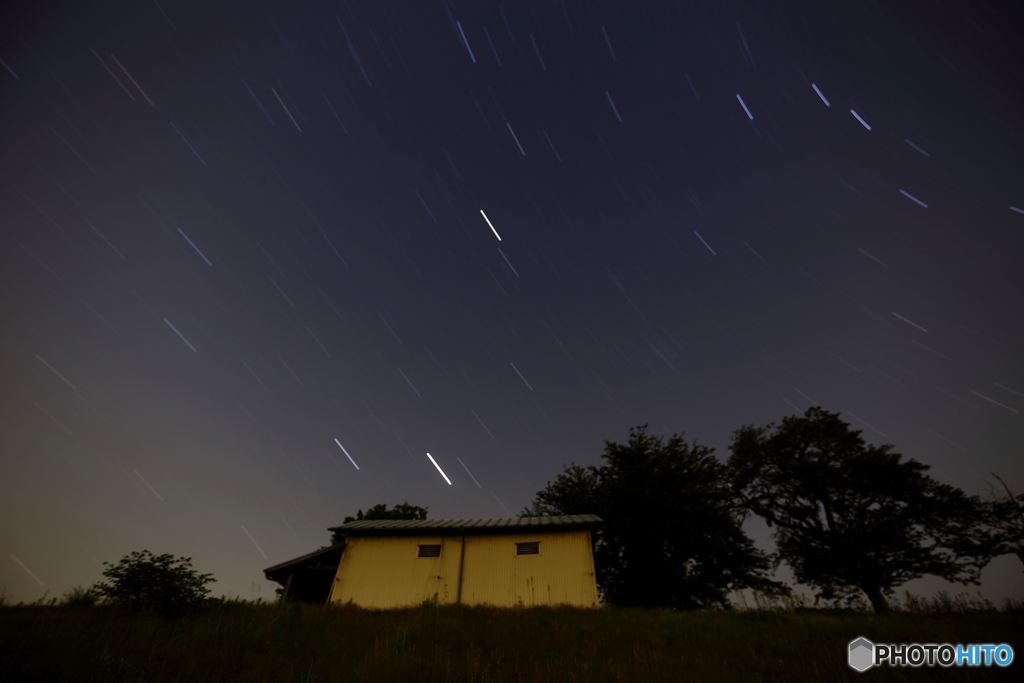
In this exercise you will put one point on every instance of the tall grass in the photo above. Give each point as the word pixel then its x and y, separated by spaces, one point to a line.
pixel 941 603
pixel 271 643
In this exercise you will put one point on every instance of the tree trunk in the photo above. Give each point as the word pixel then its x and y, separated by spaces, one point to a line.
pixel 878 601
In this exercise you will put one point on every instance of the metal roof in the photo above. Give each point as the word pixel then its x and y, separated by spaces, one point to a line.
pixel 499 524
pixel 307 556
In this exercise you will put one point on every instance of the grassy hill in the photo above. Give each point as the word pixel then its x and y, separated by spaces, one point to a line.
pixel 273 643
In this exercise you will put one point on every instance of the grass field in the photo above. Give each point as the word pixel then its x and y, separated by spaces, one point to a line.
pixel 245 641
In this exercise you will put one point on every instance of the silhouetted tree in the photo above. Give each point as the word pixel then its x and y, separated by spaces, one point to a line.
pixel 1006 517
pixel 672 534
pixel 850 517
pixel 162 584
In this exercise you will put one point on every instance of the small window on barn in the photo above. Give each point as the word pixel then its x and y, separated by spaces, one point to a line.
pixel 528 548
pixel 429 551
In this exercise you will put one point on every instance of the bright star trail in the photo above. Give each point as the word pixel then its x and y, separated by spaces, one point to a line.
pixel 235 233
pixel 862 121
pixel 440 470
pixel 744 105
pixel 346 454
pixel 820 95
pixel 490 225
pixel 913 198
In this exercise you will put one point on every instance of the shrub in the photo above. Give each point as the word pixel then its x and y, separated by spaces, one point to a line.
pixel 161 584
pixel 80 597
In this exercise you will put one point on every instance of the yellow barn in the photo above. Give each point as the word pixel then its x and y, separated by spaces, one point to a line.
pixel 522 561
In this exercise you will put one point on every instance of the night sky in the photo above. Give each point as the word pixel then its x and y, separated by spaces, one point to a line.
pixel 259 259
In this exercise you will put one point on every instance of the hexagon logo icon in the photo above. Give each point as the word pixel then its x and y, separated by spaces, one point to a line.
pixel 862 654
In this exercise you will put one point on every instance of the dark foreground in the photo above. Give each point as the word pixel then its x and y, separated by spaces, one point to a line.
pixel 238 641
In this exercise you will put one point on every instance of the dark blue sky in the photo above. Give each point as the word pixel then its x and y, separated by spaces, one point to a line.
pixel 238 237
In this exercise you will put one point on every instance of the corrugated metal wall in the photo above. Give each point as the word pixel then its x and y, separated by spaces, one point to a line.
pixel 563 572
pixel 385 572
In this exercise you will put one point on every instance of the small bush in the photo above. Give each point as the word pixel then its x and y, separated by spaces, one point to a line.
pixel 80 597
pixel 163 585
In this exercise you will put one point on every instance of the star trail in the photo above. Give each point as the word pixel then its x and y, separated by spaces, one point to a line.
pixel 239 235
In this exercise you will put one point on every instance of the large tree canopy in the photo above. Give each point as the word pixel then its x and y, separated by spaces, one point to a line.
pixel 848 516
pixel 672 534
